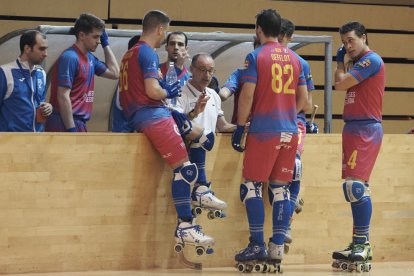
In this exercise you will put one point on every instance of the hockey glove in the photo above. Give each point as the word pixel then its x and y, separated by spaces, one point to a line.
pixel 340 54
pixel 236 138
pixel 312 128
pixel 104 39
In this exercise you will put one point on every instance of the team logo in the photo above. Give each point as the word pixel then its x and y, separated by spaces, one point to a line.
pixel 363 64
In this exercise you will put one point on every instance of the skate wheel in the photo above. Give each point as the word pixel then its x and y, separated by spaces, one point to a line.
pixel 210 215
pixel 217 213
pixel 198 210
pixel 200 250
pixel 178 247
pixel 249 268
pixel 258 268
pixel 344 266
pixel 280 269
pixel 209 250
pixel 241 267
pixel 359 267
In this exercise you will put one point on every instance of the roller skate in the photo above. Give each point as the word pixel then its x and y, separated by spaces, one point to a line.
pixel 275 258
pixel 299 205
pixel 203 198
pixel 356 257
pixel 190 234
pixel 252 258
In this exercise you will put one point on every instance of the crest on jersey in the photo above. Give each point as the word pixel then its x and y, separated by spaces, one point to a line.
pixel 363 64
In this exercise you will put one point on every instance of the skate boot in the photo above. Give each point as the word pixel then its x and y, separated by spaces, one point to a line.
pixel 275 258
pixel 252 258
pixel 288 240
pixel 203 197
pixel 361 254
pixel 299 205
pixel 190 234
pixel 341 259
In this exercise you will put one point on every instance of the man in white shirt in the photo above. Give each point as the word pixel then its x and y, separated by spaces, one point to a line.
pixel 202 105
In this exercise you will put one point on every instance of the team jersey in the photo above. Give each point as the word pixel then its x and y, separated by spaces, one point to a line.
pixel 277 72
pixel 234 86
pixel 75 70
pixel 309 83
pixel 140 63
pixel 364 100
pixel 21 93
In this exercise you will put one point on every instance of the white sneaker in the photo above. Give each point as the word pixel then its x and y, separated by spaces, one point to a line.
pixel 190 233
pixel 205 198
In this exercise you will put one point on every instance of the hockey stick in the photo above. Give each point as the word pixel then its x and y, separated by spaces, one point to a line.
pixel 314 109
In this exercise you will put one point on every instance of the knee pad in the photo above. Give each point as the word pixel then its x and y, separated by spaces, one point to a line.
pixel 204 141
pixel 279 193
pixel 297 171
pixel 183 123
pixel 250 189
pixel 188 172
pixel 354 190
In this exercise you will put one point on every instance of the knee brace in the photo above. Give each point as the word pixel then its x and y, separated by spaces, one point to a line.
pixel 250 189
pixel 188 172
pixel 354 190
pixel 297 172
pixel 278 193
pixel 204 141
pixel 183 123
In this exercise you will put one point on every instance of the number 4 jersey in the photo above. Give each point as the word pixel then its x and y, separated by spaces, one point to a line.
pixel 277 72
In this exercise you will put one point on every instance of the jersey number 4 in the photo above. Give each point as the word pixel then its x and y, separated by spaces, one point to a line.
pixel 123 77
pixel 278 78
pixel 352 159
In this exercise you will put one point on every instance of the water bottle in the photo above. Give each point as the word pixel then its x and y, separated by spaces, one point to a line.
pixel 170 78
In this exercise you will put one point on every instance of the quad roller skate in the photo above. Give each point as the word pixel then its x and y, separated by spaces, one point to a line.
pixel 356 257
pixel 252 258
pixel 274 263
pixel 190 234
pixel 203 198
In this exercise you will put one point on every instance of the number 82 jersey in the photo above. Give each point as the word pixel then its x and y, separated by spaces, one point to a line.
pixel 276 72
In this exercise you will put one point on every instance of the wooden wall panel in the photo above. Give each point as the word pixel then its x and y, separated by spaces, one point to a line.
pixel 102 202
pixel 55 9
pixel 302 13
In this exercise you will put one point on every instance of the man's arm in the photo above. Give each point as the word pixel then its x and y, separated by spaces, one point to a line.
pixel 154 89
pixel 343 80
pixel 245 103
pixel 65 106
pixel 224 93
pixel 301 98
pixel 224 126
pixel 113 68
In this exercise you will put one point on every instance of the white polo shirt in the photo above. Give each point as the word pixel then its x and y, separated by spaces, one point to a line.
pixel 206 119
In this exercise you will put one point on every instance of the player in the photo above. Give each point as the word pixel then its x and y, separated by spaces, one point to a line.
pixel 361 137
pixel 273 90
pixel 141 95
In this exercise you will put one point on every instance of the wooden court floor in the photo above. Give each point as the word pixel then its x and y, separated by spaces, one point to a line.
pixel 379 269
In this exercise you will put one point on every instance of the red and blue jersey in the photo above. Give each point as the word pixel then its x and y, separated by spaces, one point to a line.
pixel 309 83
pixel 277 72
pixel 364 100
pixel 75 70
pixel 140 63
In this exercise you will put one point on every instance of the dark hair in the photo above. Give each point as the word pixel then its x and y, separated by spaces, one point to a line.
pixel 269 21
pixel 354 26
pixel 86 23
pixel 133 41
pixel 178 33
pixel 287 28
pixel 29 38
pixel 197 56
pixel 153 19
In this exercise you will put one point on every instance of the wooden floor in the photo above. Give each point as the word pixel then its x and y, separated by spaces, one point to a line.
pixel 379 269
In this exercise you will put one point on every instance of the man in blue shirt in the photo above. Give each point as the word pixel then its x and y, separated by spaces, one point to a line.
pixel 23 87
